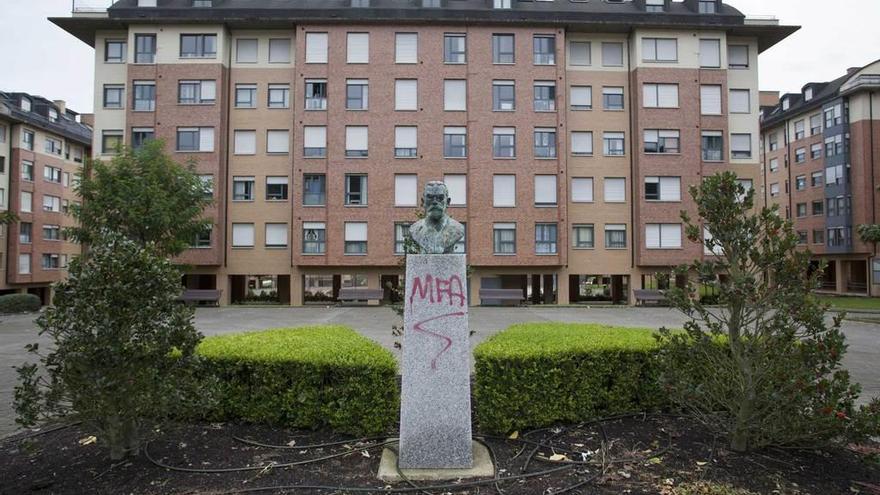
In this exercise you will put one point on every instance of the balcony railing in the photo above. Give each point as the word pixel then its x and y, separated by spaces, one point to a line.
pixel 90 7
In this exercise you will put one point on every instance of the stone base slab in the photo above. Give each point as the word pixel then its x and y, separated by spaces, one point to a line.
pixel 482 467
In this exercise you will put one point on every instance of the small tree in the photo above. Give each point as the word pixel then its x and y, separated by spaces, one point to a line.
pixel 121 344
pixel 765 368
pixel 146 196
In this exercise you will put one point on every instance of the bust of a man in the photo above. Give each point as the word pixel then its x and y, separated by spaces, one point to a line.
pixel 437 233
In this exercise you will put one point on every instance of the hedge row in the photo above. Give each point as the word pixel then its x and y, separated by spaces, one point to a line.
pixel 537 374
pixel 308 377
pixel 19 303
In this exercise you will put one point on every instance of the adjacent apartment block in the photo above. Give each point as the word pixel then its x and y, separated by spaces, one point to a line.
pixel 42 147
pixel 567 132
pixel 820 152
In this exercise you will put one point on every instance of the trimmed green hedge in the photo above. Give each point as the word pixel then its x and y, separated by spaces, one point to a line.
pixel 20 303
pixel 307 377
pixel 537 374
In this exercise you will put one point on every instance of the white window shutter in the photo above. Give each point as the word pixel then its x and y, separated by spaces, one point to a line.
pixel 670 235
pixel 276 234
pixel 316 48
pixel 245 142
pixel 246 51
pixel 457 186
pixel 358 48
pixel 454 94
pixel 579 52
pixel 582 190
pixel 740 101
pixel 581 142
pixel 406 94
pixel 356 138
pixel 615 189
pixel 356 231
pixel 206 139
pixel 670 189
pixel 650 95
pixel 667 49
pixel 279 51
pixel 710 100
pixel 242 234
pixel 710 53
pixel 209 90
pixel 582 96
pixel 545 189
pixel 504 190
pixel 406 48
pixel 406 137
pixel 276 180
pixel 278 142
pixel 652 235
pixel 667 95
pixel 738 55
pixel 405 190
pixel 314 226
pixel 741 142
pixel 315 137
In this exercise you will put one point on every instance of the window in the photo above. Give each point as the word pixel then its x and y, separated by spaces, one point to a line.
pixel 406 190
pixel 582 143
pixel 279 96
pixel 583 236
pixel 655 5
pixel 314 190
pixel 208 183
pixel 316 48
pixel 25 232
pixel 612 98
pixel 815 124
pixel 278 141
pixel 839 236
pixel 202 239
pixel 406 142
pixel 406 48
pixel 401 234
pixel 245 96
pixel 710 100
pixel 27 202
pixel 740 101
pixel 454 142
pixel 51 232
pixel 545 96
pixel 615 236
pixel 357 94
pixel 358 48
pixel 663 235
pixel 800 182
pixel 710 53
pixel 356 139
pixel 314 238
pixel 52 174
pixel 146 3
pixel 503 49
pixel 544 49
pixel 612 54
pixel 316 94
pixel 545 142
pixel 774 190
pixel 454 95
pixel 503 191
pixel 615 190
pixel 242 235
pixel 111 141
pixel 53 115
pixel 140 135
pixel 662 141
pixel 799 132
pixel 613 144
pixel 834 145
pixel 276 188
pixel 581 98
pixel 836 175
pixel 659 95
pixel 503 96
pixel 834 115
pixel 198 45
pixel 144 96
pixel 801 210
pixel 355 189
pixel 504 238
pixel 454 49
pixel 279 51
pixel 457 186
pixel 579 53
pixel 816 151
pixel 773 141
pixel 27 139
pixel 545 238
pixel 816 179
pixel 819 238
pixel 242 188
pixel 2 133
pixel 195 139
pixel 355 238
pixel 114 95
pixel 51 203
pixel 246 51
pixel 115 51
pixel 545 190
pixel 708 6
pixel 314 141
pixel 501 4
pixel 504 142
pixel 52 146
pixel 244 142
pixel 582 190
pixel 26 104
pixel 663 189
pixel 196 92
pixel 145 48
pixel 800 155
pixel 24 264
pixel 406 95
pixel 659 50
pixel 276 235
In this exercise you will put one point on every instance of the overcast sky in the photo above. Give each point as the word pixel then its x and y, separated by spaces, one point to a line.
pixel 38 57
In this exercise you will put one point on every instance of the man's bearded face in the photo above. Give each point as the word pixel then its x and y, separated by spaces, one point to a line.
pixel 436 201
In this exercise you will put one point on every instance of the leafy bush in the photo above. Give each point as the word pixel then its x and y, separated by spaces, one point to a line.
pixel 303 377
pixel 19 303
pixel 537 374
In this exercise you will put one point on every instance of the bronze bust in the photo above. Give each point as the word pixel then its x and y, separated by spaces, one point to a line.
pixel 437 233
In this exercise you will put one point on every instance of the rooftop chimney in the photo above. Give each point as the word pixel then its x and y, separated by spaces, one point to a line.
pixel 61 104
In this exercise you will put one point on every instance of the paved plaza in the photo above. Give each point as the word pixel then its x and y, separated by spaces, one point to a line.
pixel 375 322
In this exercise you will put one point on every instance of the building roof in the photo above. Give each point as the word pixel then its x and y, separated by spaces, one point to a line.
pixel 590 15
pixel 66 124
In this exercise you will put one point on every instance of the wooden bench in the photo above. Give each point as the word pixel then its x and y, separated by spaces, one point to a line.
pixel 649 296
pixel 195 296
pixel 502 295
pixel 349 294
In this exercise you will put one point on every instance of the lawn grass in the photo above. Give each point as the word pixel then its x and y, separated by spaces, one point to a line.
pixel 842 302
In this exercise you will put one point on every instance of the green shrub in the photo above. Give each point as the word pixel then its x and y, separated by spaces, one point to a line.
pixel 307 377
pixel 19 303
pixel 537 374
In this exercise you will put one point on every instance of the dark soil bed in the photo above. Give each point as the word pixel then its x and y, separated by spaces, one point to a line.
pixel 634 455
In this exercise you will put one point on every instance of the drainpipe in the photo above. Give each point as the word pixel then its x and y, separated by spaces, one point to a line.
pixel 873 185
pixel 632 155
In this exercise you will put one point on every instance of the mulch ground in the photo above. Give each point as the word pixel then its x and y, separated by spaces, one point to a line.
pixel 633 455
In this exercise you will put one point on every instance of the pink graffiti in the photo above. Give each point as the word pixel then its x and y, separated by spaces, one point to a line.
pixel 447 341
pixel 431 286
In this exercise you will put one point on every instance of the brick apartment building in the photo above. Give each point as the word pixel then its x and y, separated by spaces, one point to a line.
pixel 567 132
pixel 42 146
pixel 820 155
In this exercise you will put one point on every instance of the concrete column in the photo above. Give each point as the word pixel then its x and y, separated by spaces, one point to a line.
pixel 840 273
pixel 374 281
pixel 222 284
pixel 475 285
pixel 296 287
pixel 562 289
